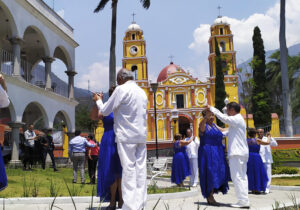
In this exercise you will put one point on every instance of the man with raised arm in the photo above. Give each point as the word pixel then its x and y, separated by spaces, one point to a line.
pixel 238 151
pixel 129 103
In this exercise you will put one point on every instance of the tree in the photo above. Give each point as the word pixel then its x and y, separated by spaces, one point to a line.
pixel 274 84
pixel 260 95
pixel 112 56
pixel 220 93
pixel 287 111
pixel 83 120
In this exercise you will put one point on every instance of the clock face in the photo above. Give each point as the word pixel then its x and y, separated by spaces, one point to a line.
pixel 133 50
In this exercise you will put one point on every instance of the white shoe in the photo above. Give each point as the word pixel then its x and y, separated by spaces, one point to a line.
pixel 241 205
pixel 267 191
pixel 194 185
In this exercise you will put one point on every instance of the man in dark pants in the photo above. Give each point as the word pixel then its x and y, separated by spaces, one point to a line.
pixel 30 138
pixel 48 147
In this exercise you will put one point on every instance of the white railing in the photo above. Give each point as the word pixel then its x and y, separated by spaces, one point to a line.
pixel 34 76
pixel 6 62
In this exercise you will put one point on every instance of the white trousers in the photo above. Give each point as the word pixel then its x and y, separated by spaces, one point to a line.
pixel 194 171
pixel 238 172
pixel 134 175
pixel 268 167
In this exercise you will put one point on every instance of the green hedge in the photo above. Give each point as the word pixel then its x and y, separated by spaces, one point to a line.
pixel 284 155
pixel 285 170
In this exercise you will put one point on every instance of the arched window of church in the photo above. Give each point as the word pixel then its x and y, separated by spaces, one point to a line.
pixel 224 67
pixel 134 70
pixel 222 46
pixel 221 31
pixel 133 36
pixel 180 101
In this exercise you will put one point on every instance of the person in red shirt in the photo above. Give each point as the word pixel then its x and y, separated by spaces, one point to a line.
pixel 93 153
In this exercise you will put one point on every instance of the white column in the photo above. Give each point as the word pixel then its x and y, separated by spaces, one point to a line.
pixel 15 136
pixel 48 61
pixel 71 75
pixel 16 43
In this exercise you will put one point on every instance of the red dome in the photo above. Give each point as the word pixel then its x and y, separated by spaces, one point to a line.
pixel 170 69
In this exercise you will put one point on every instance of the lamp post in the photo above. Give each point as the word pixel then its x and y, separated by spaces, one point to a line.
pixel 174 116
pixel 154 89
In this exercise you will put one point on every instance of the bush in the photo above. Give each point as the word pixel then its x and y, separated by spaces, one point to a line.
pixel 285 170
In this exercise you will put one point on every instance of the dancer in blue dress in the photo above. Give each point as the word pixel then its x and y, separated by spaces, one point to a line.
pixel 109 166
pixel 213 168
pixel 4 102
pixel 180 165
pixel 256 172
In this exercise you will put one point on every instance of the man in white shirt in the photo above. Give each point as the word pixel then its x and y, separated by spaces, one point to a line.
pixel 192 152
pixel 238 152
pixel 266 156
pixel 129 103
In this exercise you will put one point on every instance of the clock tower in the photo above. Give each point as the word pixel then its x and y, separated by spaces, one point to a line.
pixel 134 53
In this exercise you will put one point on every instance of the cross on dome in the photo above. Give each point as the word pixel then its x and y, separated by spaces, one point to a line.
pixel 171 58
pixel 133 14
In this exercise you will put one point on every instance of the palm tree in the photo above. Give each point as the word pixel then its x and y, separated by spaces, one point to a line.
pixel 112 57
pixel 287 111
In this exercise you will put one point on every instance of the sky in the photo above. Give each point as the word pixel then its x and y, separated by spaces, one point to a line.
pixel 171 27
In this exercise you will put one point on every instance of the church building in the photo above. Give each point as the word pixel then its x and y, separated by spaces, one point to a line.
pixel 180 97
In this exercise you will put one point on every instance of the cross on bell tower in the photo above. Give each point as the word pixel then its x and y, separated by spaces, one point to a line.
pixel 133 14
pixel 219 8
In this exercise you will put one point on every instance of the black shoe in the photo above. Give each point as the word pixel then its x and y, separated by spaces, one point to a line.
pixel 83 182
pixel 74 182
pixel 55 170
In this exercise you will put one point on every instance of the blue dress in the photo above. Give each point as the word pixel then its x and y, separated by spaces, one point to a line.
pixel 109 166
pixel 180 165
pixel 256 172
pixel 213 167
pixel 3 178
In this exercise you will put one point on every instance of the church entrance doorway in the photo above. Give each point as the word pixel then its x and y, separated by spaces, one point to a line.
pixel 184 124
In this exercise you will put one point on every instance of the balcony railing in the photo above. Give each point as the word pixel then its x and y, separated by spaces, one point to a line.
pixel 34 76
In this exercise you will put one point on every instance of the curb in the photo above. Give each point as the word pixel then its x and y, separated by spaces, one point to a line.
pixel 96 200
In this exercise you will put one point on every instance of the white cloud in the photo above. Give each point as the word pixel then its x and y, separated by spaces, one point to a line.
pixel 242 30
pixel 98 75
pixel 61 13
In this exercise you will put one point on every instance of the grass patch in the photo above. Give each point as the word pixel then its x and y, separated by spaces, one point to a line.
pixel 44 183
pixel 286 181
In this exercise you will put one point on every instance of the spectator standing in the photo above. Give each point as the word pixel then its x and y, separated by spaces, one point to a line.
pixel 93 153
pixel 77 150
pixel 30 137
pixel 48 148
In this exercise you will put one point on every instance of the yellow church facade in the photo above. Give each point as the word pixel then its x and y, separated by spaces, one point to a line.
pixel 178 89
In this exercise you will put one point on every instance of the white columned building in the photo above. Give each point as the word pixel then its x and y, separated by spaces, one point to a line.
pixel 32 32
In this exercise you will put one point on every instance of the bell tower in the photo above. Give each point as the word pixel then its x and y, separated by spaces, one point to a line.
pixel 220 30
pixel 134 52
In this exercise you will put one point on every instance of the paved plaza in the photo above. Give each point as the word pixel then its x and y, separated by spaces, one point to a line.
pixel 189 200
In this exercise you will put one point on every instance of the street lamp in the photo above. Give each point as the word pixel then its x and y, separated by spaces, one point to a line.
pixel 174 115
pixel 154 89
